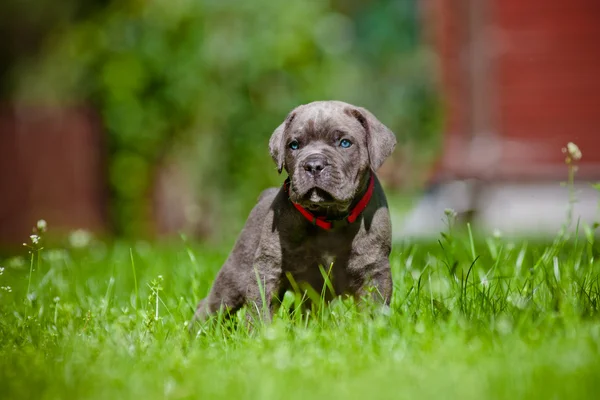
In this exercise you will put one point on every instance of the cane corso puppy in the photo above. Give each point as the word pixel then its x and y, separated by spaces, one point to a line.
pixel 330 212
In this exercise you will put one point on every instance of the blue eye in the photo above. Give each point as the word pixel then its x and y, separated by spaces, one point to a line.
pixel 345 143
pixel 294 145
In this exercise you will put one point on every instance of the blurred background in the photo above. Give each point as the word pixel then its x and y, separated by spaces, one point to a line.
pixel 151 118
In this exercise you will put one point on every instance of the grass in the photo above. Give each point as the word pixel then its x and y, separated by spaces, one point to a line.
pixel 471 317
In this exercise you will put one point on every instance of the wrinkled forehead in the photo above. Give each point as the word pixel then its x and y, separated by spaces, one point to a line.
pixel 320 121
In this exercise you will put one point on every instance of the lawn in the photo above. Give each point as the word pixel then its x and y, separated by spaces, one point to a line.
pixel 487 317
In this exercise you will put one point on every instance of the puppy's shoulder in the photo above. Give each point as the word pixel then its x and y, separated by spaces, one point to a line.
pixel 268 195
pixel 273 209
pixel 268 200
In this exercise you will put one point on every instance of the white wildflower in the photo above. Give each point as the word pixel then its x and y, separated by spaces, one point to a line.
pixel 573 151
pixel 80 238
pixel 450 212
pixel 42 225
pixel 16 262
pixel 35 239
pixel 1 270
pixel 55 255
pixel 518 301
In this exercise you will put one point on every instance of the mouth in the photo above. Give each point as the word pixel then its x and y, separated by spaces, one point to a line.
pixel 317 199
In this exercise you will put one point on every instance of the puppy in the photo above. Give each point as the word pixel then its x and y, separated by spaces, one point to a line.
pixel 331 212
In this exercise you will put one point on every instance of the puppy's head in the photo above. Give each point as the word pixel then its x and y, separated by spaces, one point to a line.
pixel 328 149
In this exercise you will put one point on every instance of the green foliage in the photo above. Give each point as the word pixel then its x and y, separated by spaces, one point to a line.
pixel 471 317
pixel 208 81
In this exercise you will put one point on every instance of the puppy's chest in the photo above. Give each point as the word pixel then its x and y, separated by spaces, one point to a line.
pixel 312 262
pixel 310 255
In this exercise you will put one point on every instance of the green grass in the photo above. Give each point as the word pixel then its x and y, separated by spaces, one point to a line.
pixel 470 319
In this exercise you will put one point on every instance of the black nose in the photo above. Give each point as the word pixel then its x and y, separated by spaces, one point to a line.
pixel 314 164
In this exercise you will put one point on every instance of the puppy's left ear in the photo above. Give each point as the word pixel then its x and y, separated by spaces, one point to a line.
pixel 380 140
pixel 277 142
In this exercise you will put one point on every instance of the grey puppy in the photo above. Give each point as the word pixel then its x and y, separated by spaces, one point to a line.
pixel 331 211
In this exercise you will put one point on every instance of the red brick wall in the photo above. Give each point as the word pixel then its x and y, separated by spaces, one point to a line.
pixel 50 167
pixel 522 78
pixel 548 73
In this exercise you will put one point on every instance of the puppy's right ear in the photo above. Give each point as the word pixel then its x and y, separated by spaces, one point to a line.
pixel 277 142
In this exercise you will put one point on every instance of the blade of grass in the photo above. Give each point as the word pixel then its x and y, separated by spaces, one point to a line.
pixel 135 283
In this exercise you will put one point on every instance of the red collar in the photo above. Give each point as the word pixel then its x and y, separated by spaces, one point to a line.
pixel 321 222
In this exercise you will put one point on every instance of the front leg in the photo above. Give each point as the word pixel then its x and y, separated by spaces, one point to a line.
pixel 372 280
pixel 229 293
pixel 264 283
pixel 369 265
pixel 225 295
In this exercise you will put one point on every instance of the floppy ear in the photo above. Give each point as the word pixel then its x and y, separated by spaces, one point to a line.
pixel 380 140
pixel 277 144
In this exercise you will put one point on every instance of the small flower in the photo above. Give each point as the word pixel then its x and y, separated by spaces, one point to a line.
pixel 56 299
pixel 35 239
pixel 450 212
pixel 518 301
pixel 1 270
pixel 6 288
pixel 16 262
pixel 42 225
pixel 572 151
pixel 80 238
pixel 55 255
pixel 484 282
